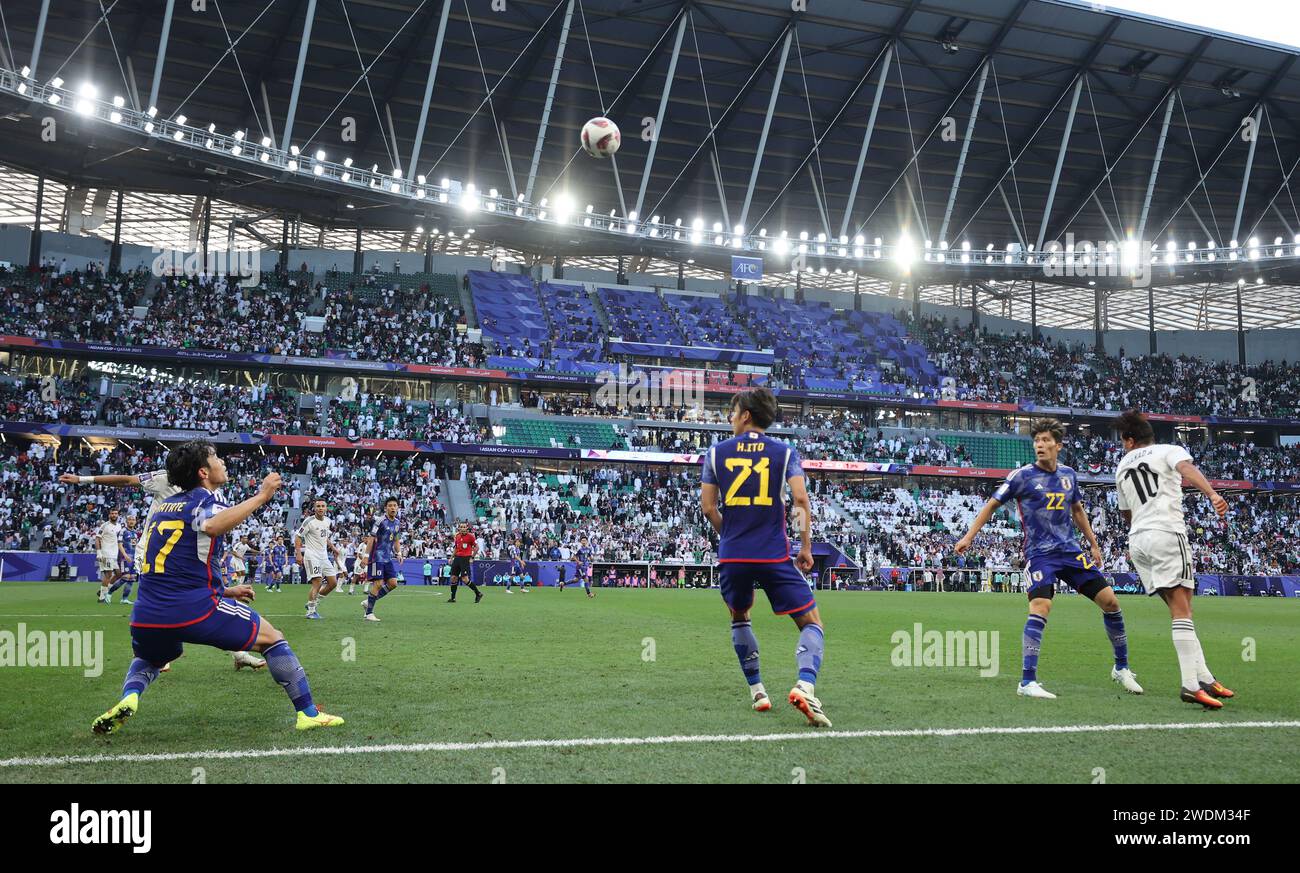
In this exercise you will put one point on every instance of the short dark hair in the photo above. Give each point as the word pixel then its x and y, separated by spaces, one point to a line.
pixel 1133 425
pixel 760 403
pixel 185 461
pixel 320 500
pixel 391 500
pixel 1048 425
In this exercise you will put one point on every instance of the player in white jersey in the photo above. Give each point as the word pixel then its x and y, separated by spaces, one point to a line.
pixel 159 489
pixel 313 545
pixel 359 567
pixel 1149 488
pixel 239 558
pixel 109 558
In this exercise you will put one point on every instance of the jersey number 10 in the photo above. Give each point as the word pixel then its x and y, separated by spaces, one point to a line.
pixel 1144 481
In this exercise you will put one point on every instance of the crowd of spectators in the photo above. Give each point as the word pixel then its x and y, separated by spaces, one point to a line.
pixel 207 406
pixel 418 325
pixel 49 399
pixel 1007 368
pixel 380 416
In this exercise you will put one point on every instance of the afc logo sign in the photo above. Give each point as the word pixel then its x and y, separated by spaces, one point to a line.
pixel 746 269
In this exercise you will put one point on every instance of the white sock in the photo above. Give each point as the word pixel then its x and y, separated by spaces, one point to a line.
pixel 1188 647
pixel 1203 673
pixel 757 689
pixel 805 687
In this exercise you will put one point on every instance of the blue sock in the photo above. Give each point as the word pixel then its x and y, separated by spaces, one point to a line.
pixel 116 585
pixel 1030 643
pixel 286 670
pixel 1118 638
pixel 812 642
pixel 129 587
pixel 746 646
pixel 139 676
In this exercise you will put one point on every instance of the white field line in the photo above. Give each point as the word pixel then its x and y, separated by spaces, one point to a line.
pixel 594 742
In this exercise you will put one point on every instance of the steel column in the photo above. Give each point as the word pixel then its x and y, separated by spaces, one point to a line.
pixel 1151 319
pixel 1015 225
pixel 965 147
pixel 722 191
pixel 1096 321
pixel 287 141
pixel 767 125
pixel 1250 163
pixel 162 54
pixel 550 98
pixel 1033 310
pixel 1155 168
pixel 1241 331
pixel 1060 160
pixel 40 36
pixel 866 138
pixel 115 253
pixel 34 249
pixel 659 117
pixel 428 91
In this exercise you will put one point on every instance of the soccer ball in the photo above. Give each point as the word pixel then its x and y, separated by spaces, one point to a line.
pixel 600 137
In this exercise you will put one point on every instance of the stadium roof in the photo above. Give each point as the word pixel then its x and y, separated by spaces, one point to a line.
pixel 235 65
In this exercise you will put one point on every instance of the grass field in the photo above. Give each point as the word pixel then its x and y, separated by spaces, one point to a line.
pixel 452 680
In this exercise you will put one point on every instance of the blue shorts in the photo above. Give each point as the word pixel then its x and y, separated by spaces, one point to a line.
pixel 786 588
pixel 1073 568
pixel 232 626
pixel 383 570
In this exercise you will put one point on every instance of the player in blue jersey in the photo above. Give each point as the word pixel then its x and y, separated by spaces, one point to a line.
pixel 514 577
pixel 181 602
pixel 584 566
pixel 1051 505
pixel 127 539
pixel 384 549
pixel 279 560
pixel 743 496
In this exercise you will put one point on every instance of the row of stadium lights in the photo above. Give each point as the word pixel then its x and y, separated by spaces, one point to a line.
pixel 86 103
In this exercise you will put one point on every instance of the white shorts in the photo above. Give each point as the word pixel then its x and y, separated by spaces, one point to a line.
pixel 1162 559
pixel 238 567
pixel 106 563
pixel 318 566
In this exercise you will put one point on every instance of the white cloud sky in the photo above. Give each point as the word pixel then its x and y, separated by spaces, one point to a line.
pixel 1272 20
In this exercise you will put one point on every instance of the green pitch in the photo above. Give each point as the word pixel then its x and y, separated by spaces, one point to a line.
pixel 651 664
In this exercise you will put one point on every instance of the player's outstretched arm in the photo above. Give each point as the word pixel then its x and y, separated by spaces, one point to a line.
pixel 982 519
pixel 709 505
pixel 230 518
pixel 111 481
pixel 1201 484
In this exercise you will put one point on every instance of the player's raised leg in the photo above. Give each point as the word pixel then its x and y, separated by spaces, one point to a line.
pixel 1198 683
